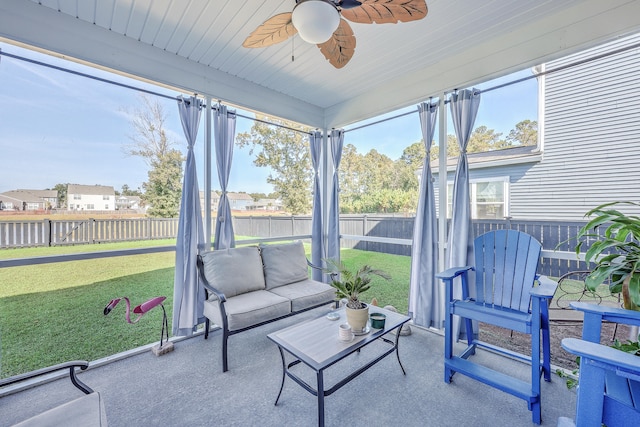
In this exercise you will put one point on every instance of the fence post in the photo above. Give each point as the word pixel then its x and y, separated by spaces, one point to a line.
pixel 47 231
pixel 92 230
pixel 365 225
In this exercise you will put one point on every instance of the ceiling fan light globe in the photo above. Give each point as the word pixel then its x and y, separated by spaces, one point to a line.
pixel 315 20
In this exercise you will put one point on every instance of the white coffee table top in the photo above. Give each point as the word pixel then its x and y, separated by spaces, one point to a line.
pixel 316 342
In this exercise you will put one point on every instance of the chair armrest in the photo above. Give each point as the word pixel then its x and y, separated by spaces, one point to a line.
pixel 71 366
pixel 613 314
pixel 546 288
pixel 206 283
pixel 219 295
pixel 624 364
pixel 453 272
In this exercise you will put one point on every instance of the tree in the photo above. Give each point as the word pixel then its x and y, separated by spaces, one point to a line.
pixel 150 141
pixel 62 194
pixel 163 189
pixel 525 133
pixel 257 196
pixel 410 161
pixel 286 152
pixel 126 191
pixel 373 182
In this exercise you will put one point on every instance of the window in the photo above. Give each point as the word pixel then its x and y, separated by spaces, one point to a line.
pixel 90 206
pixel 105 197
pixel 77 197
pixel 489 198
pixel 106 207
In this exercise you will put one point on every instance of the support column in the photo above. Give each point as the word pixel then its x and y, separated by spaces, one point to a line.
pixel 442 183
pixel 326 174
pixel 207 175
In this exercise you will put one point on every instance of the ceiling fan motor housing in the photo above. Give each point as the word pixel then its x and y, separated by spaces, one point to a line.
pixel 315 20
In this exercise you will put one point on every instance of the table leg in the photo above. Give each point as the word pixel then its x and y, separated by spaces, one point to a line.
pixel 397 353
pixel 283 374
pixel 320 392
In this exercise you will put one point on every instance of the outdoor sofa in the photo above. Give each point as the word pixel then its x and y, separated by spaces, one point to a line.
pixel 250 286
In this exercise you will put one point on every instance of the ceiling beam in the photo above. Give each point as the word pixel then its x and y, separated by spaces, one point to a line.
pixel 74 39
pixel 588 24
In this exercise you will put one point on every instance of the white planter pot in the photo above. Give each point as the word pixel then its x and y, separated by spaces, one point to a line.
pixel 358 318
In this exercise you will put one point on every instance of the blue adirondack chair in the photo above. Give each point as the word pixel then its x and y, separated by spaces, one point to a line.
pixel 609 391
pixel 509 294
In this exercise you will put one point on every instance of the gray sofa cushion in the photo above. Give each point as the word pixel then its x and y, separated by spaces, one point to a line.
pixel 283 264
pixel 234 271
pixel 306 293
pixel 248 309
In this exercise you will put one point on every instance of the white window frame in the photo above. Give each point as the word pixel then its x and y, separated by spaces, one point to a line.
pixel 473 188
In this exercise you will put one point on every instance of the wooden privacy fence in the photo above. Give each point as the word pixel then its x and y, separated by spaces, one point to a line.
pixel 19 234
pixel 15 234
pixel 551 234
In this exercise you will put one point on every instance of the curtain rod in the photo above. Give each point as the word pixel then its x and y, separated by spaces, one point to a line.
pixel 79 73
pixel 381 121
pixel 564 67
pixel 271 123
pixel 124 85
pixel 520 80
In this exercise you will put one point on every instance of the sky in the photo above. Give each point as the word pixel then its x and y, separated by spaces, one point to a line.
pixel 56 127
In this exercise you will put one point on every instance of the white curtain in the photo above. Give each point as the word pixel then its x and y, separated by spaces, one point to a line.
pixel 426 296
pixel 336 140
pixel 188 295
pixel 464 108
pixel 317 238
pixel 224 128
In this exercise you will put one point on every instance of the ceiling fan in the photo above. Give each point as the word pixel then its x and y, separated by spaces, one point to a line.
pixel 323 23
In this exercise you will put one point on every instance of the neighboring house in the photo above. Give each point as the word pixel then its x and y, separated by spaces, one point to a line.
pixel 215 199
pixel 266 205
pixel 50 197
pixel 492 177
pixel 29 200
pixel 588 150
pixel 128 202
pixel 9 203
pixel 239 201
pixel 91 197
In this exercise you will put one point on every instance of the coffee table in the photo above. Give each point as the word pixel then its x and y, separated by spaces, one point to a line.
pixel 315 343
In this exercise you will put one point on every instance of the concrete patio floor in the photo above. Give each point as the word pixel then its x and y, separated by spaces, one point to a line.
pixel 187 388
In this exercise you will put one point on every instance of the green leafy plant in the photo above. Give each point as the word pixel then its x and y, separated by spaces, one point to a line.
pixel 350 285
pixel 632 347
pixel 616 253
pixel 571 380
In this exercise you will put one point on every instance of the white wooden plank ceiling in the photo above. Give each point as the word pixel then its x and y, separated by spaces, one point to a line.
pixel 197 45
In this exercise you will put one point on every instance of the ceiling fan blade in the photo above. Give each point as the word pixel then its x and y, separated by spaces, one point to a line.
pixel 274 30
pixel 386 11
pixel 341 46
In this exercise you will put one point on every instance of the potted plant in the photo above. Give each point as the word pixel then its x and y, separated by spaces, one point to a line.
pixel 349 286
pixel 616 253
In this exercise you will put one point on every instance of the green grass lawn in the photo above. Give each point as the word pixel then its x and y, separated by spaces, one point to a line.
pixel 52 313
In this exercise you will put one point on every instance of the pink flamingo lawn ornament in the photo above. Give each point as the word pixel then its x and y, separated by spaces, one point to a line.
pixel 140 310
